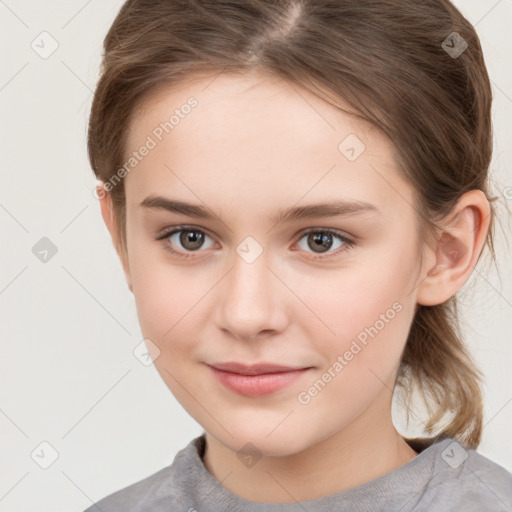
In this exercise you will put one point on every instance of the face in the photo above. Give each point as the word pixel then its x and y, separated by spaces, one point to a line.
pixel 327 291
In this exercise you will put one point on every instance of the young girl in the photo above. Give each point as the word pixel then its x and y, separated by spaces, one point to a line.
pixel 296 191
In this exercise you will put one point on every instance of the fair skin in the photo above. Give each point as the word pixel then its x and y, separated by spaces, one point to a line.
pixel 252 147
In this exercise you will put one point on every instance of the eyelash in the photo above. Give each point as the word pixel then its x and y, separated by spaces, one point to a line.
pixel 348 243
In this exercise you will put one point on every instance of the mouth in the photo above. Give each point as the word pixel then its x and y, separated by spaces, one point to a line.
pixel 256 380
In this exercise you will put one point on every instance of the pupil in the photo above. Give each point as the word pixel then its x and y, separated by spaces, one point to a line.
pixel 320 240
pixel 191 239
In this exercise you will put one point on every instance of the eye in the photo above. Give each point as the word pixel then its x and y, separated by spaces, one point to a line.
pixel 189 240
pixel 323 240
pixel 186 239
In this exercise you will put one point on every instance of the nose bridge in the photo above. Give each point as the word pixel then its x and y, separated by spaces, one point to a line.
pixel 249 300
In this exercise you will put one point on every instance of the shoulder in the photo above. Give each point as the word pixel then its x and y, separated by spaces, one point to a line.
pixel 463 479
pixel 158 492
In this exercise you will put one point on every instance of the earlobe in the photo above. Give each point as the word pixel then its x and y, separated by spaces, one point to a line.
pixel 107 213
pixel 458 247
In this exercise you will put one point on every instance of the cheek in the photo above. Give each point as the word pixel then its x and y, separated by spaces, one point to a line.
pixel 370 334
pixel 343 303
pixel 360 362
pixel 162 293
pixel 369 308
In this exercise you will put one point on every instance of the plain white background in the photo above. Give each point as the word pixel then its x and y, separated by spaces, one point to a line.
pixel 69 325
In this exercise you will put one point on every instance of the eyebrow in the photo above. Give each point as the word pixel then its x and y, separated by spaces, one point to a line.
pixel 329 209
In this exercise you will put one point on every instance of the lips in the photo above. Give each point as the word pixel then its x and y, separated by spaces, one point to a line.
pixel 256 369
pixel 256 380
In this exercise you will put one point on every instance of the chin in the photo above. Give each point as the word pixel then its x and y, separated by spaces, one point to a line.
pixel 278 444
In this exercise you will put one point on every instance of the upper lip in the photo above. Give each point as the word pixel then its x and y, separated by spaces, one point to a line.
pixel 254 369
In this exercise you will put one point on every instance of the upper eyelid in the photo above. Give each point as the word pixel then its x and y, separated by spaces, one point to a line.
pixel 183 227
pixel 176 229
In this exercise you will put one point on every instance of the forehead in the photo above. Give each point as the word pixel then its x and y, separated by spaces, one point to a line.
pixel 259 136
pixel 260 103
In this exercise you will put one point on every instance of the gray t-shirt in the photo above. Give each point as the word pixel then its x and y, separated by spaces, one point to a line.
pixel 443 476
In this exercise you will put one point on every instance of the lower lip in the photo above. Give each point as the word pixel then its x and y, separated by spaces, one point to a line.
pixel 257 385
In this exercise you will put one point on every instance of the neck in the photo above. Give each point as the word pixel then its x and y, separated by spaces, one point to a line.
pixel 364 450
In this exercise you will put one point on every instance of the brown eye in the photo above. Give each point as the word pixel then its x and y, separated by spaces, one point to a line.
pixel 183 241
pixel 324 241
pixel 320 242
pixel 191 240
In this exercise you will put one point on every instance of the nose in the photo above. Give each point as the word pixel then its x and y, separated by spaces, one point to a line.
pixel 251 301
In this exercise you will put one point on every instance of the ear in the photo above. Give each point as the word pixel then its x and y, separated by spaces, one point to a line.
pixel 457 249
pixel 107 212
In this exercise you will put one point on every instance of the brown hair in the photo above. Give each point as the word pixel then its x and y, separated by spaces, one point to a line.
pixel 386 59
